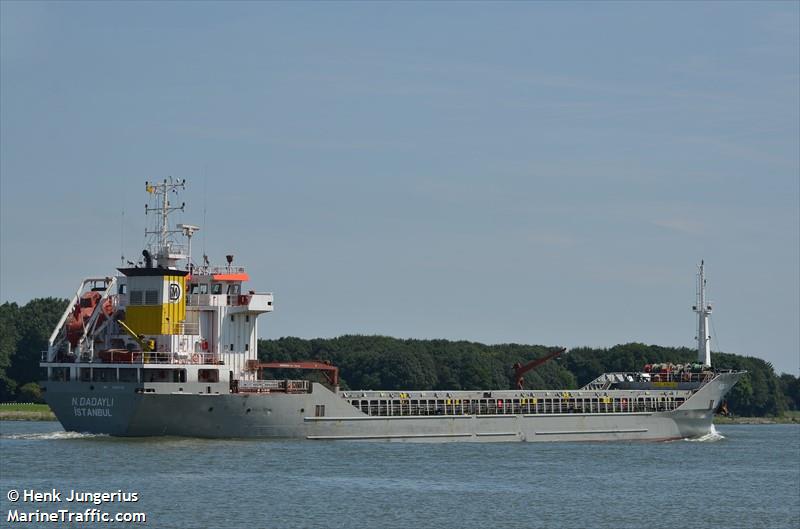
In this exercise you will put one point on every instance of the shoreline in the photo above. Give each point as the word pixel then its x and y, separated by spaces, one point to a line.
pixel 789 419
pixel 27 416
pixel 25 411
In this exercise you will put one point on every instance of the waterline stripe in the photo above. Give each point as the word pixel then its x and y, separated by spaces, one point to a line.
pixel 388 436
pixel 601 414
pixel 578 432
pixel 384 417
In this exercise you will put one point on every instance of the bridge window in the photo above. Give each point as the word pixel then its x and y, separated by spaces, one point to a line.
pixel 151 297
pixel 136 297
pixel 216 288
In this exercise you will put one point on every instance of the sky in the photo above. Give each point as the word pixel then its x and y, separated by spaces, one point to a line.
pixel 542 173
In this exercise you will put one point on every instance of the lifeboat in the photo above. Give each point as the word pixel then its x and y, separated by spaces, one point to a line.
pixel 82 312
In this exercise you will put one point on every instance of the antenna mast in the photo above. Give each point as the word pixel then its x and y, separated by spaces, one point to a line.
pixel 703 310
pixel 165 251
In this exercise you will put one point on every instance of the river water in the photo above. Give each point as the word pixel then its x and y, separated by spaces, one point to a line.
pixel 744 476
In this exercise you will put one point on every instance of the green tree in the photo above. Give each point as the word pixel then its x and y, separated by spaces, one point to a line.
pixel 790 387
pixel 34 324
pixel 30 392
pixel 9 336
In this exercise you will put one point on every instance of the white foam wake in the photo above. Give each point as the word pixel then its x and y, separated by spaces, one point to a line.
pixel 50 435
pixel 712 436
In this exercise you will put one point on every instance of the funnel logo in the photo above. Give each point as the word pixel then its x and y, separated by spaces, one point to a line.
pixel 174 292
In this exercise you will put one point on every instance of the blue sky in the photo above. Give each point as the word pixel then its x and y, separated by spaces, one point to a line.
pixel 502 172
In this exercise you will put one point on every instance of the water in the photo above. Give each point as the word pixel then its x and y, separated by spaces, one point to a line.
pixel 744 476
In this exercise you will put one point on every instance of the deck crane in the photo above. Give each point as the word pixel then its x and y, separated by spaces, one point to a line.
pixel 520 369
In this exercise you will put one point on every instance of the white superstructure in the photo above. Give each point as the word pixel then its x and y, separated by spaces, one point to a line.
pixel 182 322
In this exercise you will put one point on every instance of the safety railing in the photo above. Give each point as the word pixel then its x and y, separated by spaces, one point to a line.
pixel 211 270
pixel 185 358
pixel 122 356
pixel 525 406
pixel 681 377
pixel 203 300
pixel 269 386
pixel 607 380
pixel 186 327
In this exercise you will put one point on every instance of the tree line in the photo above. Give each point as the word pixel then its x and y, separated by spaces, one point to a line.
pixel 381 362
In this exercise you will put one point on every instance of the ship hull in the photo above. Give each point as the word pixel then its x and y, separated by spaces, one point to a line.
pixel 121 410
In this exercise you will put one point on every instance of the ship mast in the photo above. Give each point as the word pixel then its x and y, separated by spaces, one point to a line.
pixel 703 310
pixel 166 252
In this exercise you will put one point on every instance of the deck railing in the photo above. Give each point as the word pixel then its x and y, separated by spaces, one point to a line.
pixel 188 327
pixel 522 406
pixel 607 380
pixel 269 386
pixel 122 356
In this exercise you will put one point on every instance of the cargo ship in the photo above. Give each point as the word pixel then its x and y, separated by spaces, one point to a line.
pixel 168 347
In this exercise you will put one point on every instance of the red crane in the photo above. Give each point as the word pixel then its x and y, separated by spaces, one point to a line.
pixel 520 369
pixel 331 372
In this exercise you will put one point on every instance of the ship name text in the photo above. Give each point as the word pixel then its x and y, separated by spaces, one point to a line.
pixel 92 406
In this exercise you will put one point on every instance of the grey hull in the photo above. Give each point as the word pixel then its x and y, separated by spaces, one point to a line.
pixel 118 409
